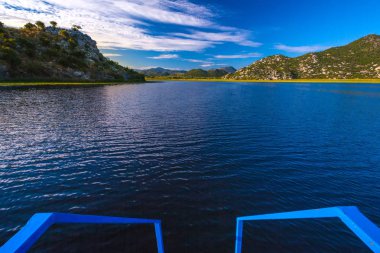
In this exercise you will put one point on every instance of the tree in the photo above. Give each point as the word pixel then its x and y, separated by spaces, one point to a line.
pixel 76 27
pixel 29 26
pixel 40 25
pixel 53 24
pixel 1 24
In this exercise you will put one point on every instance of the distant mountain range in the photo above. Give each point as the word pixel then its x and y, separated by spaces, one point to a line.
pixel 359 59
pixel 194 73
pixel 152 72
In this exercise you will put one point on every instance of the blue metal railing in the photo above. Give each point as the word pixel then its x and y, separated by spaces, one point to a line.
pixel 368 232
pixel 40 222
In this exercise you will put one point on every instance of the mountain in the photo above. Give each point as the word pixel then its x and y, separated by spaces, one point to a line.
pixel 153 72
pixel 229 69
pixel 193 73
pixel 211 73
pixel 36 52
pixel 359 59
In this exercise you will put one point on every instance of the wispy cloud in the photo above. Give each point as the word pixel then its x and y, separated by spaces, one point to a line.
pixel 164 11
pixel 202 63
pixel 196 60
pixel 153 67
pixel 165 56
pixel 300 49
pixel 207 65
pixel 112 55
pixel 118 24
pixel 238 56
pixel 238 37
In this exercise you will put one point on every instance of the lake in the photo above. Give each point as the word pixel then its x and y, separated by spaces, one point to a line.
pixel 196 156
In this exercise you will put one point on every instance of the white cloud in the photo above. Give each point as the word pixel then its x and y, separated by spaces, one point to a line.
pixel 164 12
pixel 112 55
pixel 207 65
pixel 300 49
pixel 118 24
pixel 238 37
pixel 196 60
pixel 203 63
pixel 238 56
pixel 165 56
pixel 144 67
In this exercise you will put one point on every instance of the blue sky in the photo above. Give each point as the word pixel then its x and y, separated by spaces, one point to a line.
pixel 187 34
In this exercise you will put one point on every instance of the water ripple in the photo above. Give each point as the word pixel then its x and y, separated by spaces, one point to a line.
pixel 195 155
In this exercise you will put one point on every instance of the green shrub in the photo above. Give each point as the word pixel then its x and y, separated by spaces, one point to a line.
pixel 52 53
pixel 35 68
pixel 64 33
pixel 73 43
pixel 71 62
pixel 78 54
pixel 30 52
pixel 45 40
pixel 10 56
pixel 25 43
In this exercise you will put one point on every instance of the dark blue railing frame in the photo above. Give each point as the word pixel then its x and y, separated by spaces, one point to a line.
pixel 40 222
pixel 368 232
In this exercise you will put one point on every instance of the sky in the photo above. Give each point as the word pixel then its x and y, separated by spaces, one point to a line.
pixel 187 34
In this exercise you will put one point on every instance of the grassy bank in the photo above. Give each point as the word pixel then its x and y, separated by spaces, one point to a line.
pixel 26 84
pixel 274 81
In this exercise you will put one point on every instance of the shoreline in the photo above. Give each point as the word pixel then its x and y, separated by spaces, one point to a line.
pixel 365 81
pixel 63 83
pixel 153 80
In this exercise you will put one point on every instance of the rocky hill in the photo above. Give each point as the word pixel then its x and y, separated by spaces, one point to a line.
pixel 36 52
pixel 359 59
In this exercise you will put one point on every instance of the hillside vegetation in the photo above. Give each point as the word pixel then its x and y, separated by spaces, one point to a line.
pixel 359 59
pixel 37 52
pixel 191 74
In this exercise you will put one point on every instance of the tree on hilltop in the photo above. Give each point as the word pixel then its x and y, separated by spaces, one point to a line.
pixel 76 27
pixel 40 25
pixel 53 24
pixel 29 26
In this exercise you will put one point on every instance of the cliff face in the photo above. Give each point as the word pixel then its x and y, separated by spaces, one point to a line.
pixel 50 53
pixel 359 59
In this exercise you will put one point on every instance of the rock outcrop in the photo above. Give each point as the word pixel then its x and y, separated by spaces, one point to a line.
pixel 50 53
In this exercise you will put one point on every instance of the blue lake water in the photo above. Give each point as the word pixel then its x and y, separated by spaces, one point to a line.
pixel 195 155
